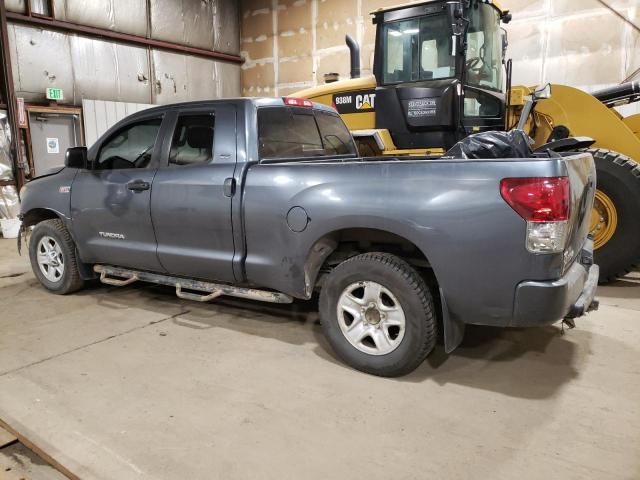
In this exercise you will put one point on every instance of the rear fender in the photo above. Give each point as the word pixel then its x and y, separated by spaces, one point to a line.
pixel 453 327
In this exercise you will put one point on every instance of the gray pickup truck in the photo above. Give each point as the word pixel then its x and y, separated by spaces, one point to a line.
pixel 268 199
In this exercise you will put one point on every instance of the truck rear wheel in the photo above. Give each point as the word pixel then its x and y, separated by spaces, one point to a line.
pixel 53 257
pixel 378 314
pixel 615 218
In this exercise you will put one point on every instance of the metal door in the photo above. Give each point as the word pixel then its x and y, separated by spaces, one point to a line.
pixel 51 135
pixel 191 204
pixel 110 204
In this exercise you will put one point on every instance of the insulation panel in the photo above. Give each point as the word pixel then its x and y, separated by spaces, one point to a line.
pixel 290 44
pixel 127 16
pixel 86 67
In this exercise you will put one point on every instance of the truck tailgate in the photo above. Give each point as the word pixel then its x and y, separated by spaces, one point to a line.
pixel 581 171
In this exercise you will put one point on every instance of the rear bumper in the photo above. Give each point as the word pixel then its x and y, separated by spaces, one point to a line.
pixel 540 303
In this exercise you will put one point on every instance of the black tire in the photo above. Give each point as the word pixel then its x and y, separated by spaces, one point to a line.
pixel 619 179
pixel 70 280
pixel 413 295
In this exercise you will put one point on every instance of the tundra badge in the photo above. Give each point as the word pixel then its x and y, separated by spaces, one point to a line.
pixel 115 236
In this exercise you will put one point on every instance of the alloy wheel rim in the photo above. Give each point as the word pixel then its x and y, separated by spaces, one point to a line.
pixel 371 318
pixel 50 259
pixel 604 219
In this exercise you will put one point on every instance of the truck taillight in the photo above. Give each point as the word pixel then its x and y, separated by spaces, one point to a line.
pixel 544 203
pixel 297 102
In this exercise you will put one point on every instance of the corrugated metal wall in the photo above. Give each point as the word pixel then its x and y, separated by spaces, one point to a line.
pixel 91 68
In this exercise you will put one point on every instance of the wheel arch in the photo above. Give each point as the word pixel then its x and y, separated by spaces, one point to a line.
pixel 329 250
pixel 337 245
pixel 37 215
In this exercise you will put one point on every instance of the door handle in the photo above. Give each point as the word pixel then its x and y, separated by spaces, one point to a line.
pixel 138 185
pixel 229 187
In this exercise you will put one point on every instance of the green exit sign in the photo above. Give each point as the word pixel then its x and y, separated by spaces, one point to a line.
pixel 54 93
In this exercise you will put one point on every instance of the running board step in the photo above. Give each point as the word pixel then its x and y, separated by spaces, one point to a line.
pixel 199 291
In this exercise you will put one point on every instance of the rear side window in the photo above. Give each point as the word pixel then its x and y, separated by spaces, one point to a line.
pixel 192 142
pixel 299 132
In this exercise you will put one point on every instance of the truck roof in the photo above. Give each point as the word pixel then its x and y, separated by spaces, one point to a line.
pixel 255 101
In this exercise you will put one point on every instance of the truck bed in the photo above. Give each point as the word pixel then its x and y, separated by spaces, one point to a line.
pixel 451 210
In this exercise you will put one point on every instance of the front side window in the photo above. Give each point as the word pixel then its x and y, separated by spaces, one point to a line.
pixel 192 142
pixel 483 61
pixel 130 147
pixel 418 49
pixel 299 132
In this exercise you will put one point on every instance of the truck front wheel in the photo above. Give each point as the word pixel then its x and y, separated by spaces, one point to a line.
pixel 53 257
pixel 378 314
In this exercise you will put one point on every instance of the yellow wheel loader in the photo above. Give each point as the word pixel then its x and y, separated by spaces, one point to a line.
pixel 440 74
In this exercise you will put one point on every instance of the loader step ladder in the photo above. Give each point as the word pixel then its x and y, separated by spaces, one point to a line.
pixel 197 290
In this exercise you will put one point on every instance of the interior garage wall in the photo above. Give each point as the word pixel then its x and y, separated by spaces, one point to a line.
pixel 577 42
pixel 105 70
pixel 290 44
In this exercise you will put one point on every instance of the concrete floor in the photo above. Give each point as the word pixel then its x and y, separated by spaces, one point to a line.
pixel 135 383
pixel 17 462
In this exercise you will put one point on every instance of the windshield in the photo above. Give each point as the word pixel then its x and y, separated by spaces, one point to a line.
pixel 484 48
pixel 417 49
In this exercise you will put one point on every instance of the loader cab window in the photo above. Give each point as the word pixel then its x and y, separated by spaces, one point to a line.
pixel 130 147
pixel 417 49
pixel 483 62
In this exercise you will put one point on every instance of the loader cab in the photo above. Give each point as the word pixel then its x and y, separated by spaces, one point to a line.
pixel 439 71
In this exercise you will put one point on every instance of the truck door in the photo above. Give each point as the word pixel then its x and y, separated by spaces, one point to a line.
pixel 110 203
pixel 190 204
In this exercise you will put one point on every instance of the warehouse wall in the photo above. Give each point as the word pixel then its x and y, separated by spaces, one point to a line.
pixel 90 68
pixel 291 44
pixel 577 42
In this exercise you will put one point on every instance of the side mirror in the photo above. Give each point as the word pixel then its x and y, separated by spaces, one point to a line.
pixel 76 157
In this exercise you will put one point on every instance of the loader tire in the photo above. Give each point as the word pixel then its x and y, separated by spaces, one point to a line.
pixel 615 220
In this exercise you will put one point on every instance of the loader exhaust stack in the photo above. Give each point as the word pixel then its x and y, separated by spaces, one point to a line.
pixel 354 51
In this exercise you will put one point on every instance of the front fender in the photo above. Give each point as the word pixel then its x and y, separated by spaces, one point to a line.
pixel 46 198
pixel 52 194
